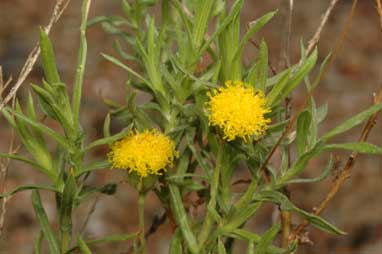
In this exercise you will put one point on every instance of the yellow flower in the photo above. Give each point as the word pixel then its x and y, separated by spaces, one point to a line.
pixel 238 110
pixel 144 153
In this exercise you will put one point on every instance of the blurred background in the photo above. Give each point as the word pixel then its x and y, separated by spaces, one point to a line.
pixel 347 88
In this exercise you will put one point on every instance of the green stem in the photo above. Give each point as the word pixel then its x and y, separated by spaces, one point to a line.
pixel 141 215
pixel 206 228
pixel 65 241
pixel 77 91
pixel 181 218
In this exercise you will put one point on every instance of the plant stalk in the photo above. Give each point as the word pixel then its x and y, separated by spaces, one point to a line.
pixel 141 215
pixel 206 228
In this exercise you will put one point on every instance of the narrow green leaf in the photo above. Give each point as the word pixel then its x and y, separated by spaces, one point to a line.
pixel 304 121
pixel 106 126
pixel 108 140
pixel 182 220
pixel 176 243
pixel 362 147
pixel 61 140
pixel 47 58
pixel 267 239
pixel 251 237
pixel 323 176
pixel 221 247
pixel 286 204
pixel 285 88
pixel 273 97
pixel 203 14
pixel 236 7
pixel 241 216
pixel 44 223
pixel 113 238
pixel 29 162
pixel 83 246
pixel 125 67
pixel 255 26
pixel 97 165
pixel 107 239
pixel 352 122
pixel 263 66
pixel 38 243
pixel 28 187
pixel 299 165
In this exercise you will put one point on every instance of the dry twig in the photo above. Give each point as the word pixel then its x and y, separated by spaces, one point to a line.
pixel 379 11
pixel 59 8
pixel 316 37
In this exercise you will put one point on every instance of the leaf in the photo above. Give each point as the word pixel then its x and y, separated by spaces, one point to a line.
pixel 276 91
pixel 113 238
pixel 304 121
pixel 106 126
pixel 97 165
pixel 47 58
pixel 283 89
pixel 28 187
pixel 267 239
pixel 29 162
pixel 128 69
pixel 176 243
pixel 254 238
pixel 57 137
pixel 221 247
pixel 106 239
pixel 38 243
pixel 352 122
pixel 299 165
pixel 362 147
pixel 83 246
pixel 263 66
pixel 203 14
pixel 254 27
pixel 235 10
pixel 323 176
pixel 107 189
pixel 181 219
pixel 44 223
pixel 286 204
pixel 241 216
pixel 108 140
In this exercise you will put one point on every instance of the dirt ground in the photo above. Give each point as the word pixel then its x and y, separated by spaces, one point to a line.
pixel 347 88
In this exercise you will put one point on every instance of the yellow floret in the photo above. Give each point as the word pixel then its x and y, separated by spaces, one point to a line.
pixel 238 110
pixel 145 153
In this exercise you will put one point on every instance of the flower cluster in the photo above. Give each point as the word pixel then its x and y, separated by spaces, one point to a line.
pixel 238 110
pixel 145 153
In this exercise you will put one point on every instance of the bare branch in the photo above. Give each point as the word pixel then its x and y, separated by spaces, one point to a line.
pixel 379 11
pixel 316 37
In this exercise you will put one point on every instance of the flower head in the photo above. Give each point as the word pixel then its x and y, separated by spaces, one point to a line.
pixel 144 153
pixel 238 110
